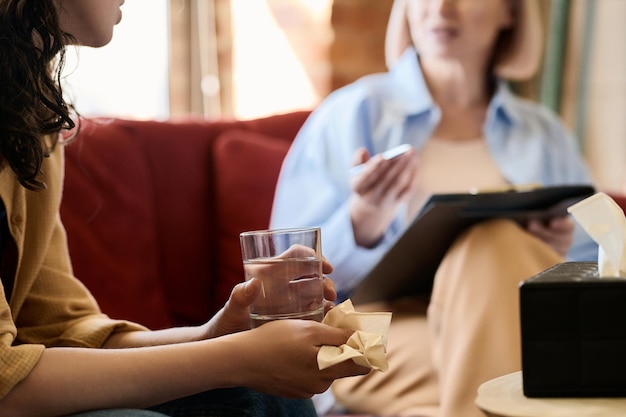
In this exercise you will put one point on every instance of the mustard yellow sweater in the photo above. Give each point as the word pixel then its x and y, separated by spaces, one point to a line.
pixel 49 306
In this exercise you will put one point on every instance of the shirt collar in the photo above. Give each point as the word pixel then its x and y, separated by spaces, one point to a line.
pixel 409 87
pixel 504 105
pixel 412 95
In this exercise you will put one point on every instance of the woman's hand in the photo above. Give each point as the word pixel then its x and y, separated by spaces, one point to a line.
pixel 377 193
pixel 330 293
pixel 235 315
pixel 280 358
pixel 558 233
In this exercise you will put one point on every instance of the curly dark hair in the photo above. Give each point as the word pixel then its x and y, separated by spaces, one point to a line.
pixel 32 47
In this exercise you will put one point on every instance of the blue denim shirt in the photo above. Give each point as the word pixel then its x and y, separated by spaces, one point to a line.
pixel 528 143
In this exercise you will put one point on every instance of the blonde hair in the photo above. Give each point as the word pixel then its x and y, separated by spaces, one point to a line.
pixel 517 52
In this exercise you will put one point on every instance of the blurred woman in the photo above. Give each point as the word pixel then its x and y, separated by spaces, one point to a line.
pixel 446 95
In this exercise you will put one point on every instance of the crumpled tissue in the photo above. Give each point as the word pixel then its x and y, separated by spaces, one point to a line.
pixel 603 219
pixel 367 345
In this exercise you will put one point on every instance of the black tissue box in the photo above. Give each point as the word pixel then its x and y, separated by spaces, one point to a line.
pixel 573 330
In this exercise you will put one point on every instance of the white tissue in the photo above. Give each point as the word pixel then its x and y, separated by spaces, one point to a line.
pixel 603 219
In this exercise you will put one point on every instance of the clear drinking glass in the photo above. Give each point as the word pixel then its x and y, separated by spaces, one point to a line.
pixel 288 263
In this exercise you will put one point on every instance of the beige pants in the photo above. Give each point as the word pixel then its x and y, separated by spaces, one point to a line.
pixel 439 353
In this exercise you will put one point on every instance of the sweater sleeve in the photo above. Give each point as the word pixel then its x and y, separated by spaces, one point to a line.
pixel 48 306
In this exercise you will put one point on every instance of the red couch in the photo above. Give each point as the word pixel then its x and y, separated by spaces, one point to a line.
pixel 153 210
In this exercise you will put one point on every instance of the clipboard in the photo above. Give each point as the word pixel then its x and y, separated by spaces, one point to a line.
pixel 409 266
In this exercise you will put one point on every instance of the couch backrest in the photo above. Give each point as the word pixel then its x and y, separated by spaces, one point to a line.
pixel 153 210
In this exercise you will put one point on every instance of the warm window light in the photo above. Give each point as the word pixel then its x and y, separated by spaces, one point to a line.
pixel 128 77
pixel 268 76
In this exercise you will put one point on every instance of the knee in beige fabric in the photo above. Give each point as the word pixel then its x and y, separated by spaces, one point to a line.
pixel 474 309
pixel 495 250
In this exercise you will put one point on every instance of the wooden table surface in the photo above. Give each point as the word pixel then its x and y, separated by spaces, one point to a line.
pixel 504 397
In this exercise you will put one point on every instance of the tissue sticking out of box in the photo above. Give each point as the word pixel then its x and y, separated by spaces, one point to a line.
pixel 603 219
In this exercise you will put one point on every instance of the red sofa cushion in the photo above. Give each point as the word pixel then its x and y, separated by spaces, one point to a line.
pixel 247 164
pixel 141 237
pixel 143 211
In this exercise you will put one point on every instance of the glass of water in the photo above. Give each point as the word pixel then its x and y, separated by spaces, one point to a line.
pixel 288 263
